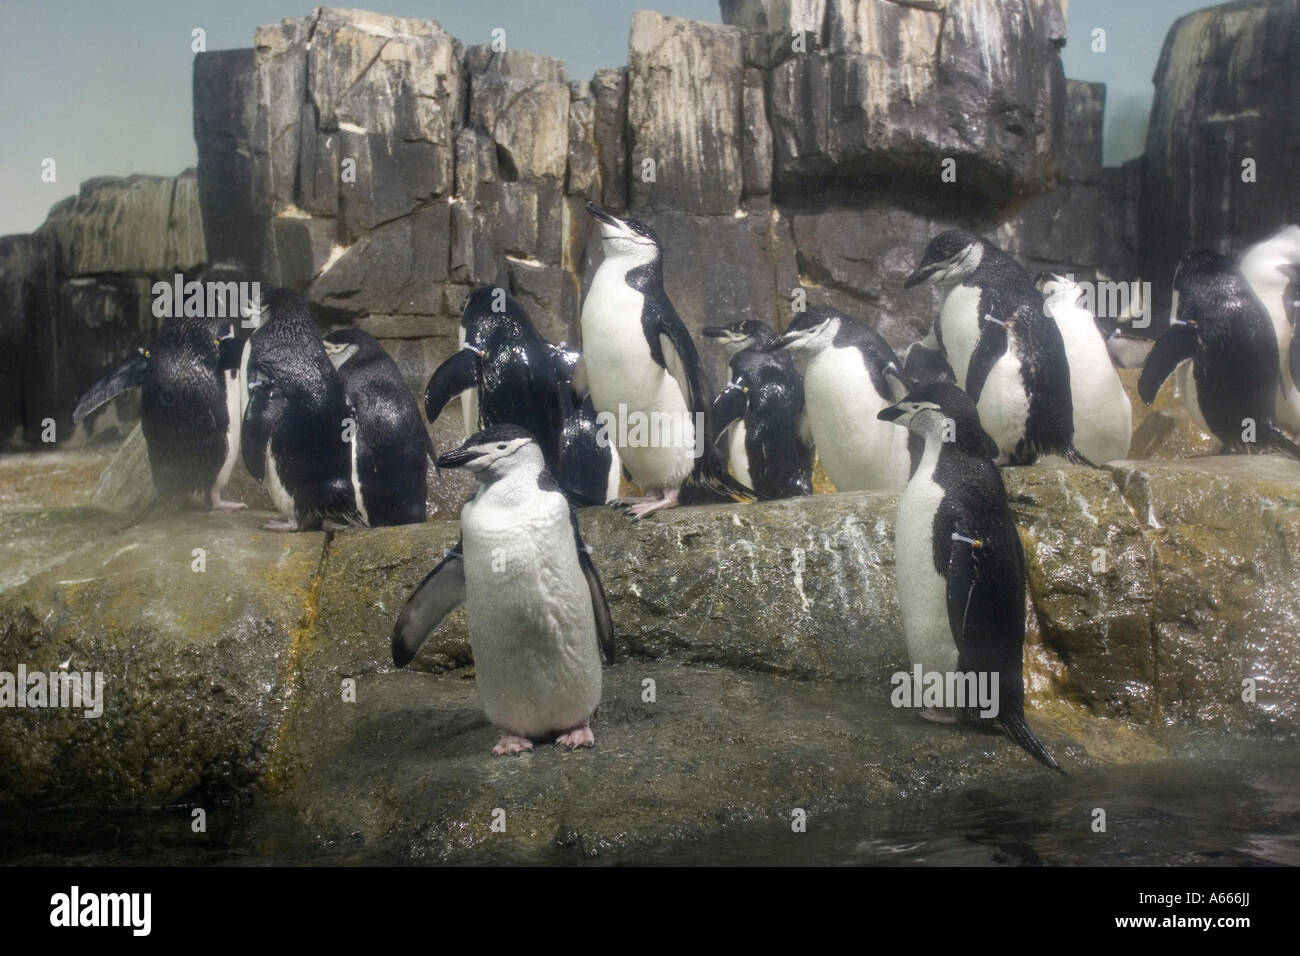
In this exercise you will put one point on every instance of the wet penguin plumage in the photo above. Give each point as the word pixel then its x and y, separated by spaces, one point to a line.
pixel 850 374
pixel 960 566
pixel 639 360
pixel 1270 269
pixel 1103 413
pixel 1231 382
pixel 296 435
pixel 390 448
pixel 761 414
pixel 188 407
pixel 539 623
pixel 1004 350
pixel 506 373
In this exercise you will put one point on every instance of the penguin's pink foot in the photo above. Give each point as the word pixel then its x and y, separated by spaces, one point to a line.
pixel 939 715
pixel 277 524
pixel 577 737
pixel 658 501
pixel 510 744
pixel 220 504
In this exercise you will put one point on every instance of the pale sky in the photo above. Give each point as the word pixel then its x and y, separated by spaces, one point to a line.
pixel 105 88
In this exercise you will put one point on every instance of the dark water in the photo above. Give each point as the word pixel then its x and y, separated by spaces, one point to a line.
pixel 1216 810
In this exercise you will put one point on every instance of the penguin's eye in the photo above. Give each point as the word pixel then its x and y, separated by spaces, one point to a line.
pixel 501 447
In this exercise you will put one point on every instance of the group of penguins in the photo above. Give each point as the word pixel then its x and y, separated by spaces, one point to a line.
pixel 1012 370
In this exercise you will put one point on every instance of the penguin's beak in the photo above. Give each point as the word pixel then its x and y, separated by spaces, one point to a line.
pixel 600 215
pixel 921 273
pixel 781 341
pixel 890 413
pixel 458 458
pixel 715 332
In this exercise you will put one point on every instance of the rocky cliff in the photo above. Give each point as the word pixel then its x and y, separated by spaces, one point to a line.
pixel 385 169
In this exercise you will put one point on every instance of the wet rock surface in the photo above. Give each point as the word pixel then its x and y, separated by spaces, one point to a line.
pixel 769 632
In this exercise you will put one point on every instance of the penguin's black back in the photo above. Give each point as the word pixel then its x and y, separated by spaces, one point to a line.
pixel 519 385
pixel 307 440
pixel 780 465
pixel 183 410
pixel 392 445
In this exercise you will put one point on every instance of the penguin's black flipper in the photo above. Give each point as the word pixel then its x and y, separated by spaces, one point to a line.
pixel 599 603
pixel 459 373
pixel 432 600
pixel 232 353
pixel 728 408
pixel 1177 344
pixel 265 406
pixel 128 375
pixel 1014 723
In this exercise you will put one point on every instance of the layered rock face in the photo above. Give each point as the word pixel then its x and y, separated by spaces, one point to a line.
pixel 1221 158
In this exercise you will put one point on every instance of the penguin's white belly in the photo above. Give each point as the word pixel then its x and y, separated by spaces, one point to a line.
pixel 233 399
pixel 356 476
pixel 1288 395
pixel 1004 403
pixel 959 324
pixel 1103 414
pixel 737 454
pixel 531 624
pixel 649 421
pixel 922 591
pixel 1261 268
pixel 1186 383
pixel 858 451
pixel 280 496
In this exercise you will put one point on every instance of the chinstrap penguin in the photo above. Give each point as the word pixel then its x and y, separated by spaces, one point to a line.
pixel 643 373
pixel 539 623
pixel 960 567
pixel 1270 268
pixel 760 413
pixel 189 407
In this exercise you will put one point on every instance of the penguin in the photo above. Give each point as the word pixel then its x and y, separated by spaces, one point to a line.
pixel 539 622
pixel 1231 381
pixel 507 373
pixel 298 424
pixel 1103 413
pixel 1003 349
pixel 188 407
pixel 390 447
pixel 587 457
pixel 1269 268
pixel 851 373
pixel 960 567
pixel 761 414
pixel 642 371
pixel 922 365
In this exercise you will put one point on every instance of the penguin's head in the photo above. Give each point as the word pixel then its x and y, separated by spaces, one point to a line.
pixel 949 258
pixel 274 302
pixel 812 330
pixel 1202 275
pixel 740 335
pixel 626 238
pixel 494 452
pixel 943 412
pixel 344 345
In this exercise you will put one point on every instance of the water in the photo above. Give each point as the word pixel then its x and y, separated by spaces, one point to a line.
pixel 1235 807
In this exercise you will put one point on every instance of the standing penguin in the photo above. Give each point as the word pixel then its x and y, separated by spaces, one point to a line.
pixel 960 567
pixel 851 373
pixel 390 447
pixel 1270 269
pixel 642 370
pixel 761 412
pixel 539 623
pixel 1103 413
pixel 1020 379
pixel 298 424
pixel 506 373
pixel 1232 380
pixel 188 407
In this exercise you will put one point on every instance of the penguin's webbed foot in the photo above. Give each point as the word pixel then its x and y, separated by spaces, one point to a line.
pixel 577 737
pixel 277 524
pixel 510 744
pixel 939 715
pixel 220 504
pixel 658 501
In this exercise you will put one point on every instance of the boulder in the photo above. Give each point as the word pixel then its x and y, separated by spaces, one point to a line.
pixel 224 123
pixel 684 123
pixel 609 124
